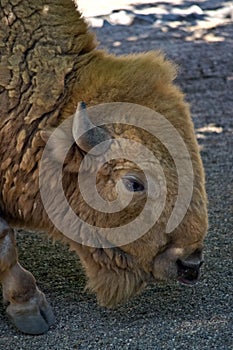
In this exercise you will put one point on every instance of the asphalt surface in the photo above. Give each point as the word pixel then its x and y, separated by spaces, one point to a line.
pixel 164 316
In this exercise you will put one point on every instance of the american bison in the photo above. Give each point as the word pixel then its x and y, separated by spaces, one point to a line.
pixel 49 65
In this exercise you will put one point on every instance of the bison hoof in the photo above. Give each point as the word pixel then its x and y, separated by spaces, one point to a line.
pixel 32 317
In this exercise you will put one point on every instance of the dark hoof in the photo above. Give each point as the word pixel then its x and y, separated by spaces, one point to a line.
pixel 33 317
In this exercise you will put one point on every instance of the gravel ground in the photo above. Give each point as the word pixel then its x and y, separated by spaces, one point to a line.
pixel 165 316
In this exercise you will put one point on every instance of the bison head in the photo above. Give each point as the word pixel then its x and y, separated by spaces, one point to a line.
pixel 135 200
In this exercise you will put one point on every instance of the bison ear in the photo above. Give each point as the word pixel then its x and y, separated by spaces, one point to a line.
pixel 86 134
pixel 61 141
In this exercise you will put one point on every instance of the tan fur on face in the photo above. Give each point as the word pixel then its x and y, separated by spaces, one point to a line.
pixel 112 275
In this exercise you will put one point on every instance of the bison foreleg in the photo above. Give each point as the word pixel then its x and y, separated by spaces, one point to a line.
pixel 28 308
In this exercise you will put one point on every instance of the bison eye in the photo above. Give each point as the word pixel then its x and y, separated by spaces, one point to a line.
pixel 133 184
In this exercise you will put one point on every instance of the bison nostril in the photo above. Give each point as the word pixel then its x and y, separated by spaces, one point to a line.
pixel 188 271
pixel 189 265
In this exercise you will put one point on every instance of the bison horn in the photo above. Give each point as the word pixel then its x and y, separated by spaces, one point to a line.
pixel 86 134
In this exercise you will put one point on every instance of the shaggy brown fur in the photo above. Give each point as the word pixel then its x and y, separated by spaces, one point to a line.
pixel 48 64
